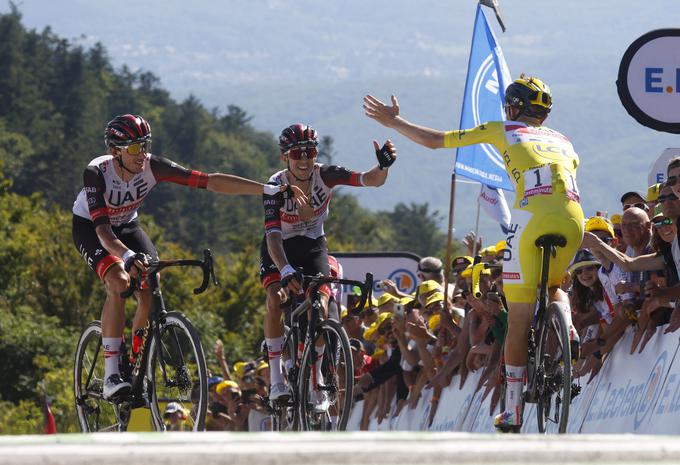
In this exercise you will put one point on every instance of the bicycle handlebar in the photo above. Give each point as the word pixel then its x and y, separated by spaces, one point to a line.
pixel 366 286
pixel 155 266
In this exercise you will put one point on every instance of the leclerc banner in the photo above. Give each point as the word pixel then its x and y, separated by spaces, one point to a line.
pixel 487 78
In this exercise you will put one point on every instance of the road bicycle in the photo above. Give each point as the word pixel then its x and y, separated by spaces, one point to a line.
pixel 169 366
pixel 299 357
pixel 549 381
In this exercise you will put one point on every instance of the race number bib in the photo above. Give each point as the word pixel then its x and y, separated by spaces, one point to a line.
pixel 538 181
pixel 572 188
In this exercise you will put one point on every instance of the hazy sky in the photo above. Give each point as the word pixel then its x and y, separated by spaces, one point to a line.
pixel 305 60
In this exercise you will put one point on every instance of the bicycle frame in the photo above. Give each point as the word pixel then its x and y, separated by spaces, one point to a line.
pixel 136 373
pixel 313 303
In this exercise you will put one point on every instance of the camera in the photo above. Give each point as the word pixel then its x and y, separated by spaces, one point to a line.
pixel 399 311
pixel 380 285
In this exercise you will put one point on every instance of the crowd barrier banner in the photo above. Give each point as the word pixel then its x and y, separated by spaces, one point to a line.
pixel 454 404
pixel 630 386
pixel 664 416
pixel 633 393
pixel 483 421
pixel 354 421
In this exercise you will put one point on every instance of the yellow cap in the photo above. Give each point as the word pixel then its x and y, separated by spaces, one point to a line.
pixel 239 369
pixel 653 192
pixel 486 251
pixel 460 262
pixel 378 353
pixel 263 365
pixel 435 297
pixel 501 245
pixel 429 286
pixel 386 298
pixel 434 322
pixel 407 300
pixel 372 330
pixel 600 223
pixel 615 219
pixel 224 385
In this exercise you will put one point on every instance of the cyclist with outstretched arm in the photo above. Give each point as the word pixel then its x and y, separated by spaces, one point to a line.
pixel 542 163
pixel 107 234
pixel 295 239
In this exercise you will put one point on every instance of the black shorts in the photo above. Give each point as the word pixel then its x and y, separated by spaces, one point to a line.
pixel 96 256
pixel 302 252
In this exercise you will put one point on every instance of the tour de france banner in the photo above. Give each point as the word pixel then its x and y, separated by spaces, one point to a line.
pixel 487 78
pixel 649 80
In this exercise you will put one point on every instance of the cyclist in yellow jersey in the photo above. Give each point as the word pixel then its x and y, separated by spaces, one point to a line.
pixel 542 163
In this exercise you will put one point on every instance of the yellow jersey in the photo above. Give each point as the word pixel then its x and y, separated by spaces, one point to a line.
pixel 539 160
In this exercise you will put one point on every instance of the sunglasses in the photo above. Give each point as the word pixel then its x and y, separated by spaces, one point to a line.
pixel 586 268
pixel 302 153
pixel 636 205
pixel 662 222
pixel 664 198
pixel 671 181
pixel 137 147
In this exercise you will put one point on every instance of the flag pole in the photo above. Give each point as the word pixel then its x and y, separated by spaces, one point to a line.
pixel 449 242
pixel 474 244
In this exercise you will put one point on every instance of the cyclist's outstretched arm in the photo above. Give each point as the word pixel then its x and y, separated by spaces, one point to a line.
pixel 389 116
pixel 169 171
pixel 640 263
pixel 236 185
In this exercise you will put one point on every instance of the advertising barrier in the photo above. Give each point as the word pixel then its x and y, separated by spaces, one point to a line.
pixel 633 393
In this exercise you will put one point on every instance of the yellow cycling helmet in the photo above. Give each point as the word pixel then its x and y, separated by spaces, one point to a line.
pixel 530 95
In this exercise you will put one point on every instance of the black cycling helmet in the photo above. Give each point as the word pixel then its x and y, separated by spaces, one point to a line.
pixel 297 135
pixel 530 95
pixel 126 129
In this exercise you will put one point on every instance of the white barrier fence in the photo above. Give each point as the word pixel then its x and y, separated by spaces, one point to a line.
pixel 633 393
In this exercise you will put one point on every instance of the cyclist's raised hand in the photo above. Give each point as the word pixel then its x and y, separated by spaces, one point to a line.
pixel 295 192
pixel 386 155
pixel 383 114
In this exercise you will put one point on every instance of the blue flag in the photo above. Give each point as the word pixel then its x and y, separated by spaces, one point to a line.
pixel 487 78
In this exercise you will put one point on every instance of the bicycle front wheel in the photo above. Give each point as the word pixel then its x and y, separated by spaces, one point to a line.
pixel 554 388
pixel 337 381
pixel 94 413
pixel 176 372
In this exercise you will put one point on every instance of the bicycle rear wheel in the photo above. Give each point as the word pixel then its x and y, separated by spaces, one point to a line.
pixel 337 371
pixel 554 382
pixel 94 413
pixel 176 372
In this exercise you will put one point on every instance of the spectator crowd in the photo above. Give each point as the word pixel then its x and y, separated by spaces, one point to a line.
pixel 625 274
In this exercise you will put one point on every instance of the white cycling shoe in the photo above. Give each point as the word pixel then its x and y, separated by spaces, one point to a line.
pixel 279 392
pixel 115 387
pixel 320 399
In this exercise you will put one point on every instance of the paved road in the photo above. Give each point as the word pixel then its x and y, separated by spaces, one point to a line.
pixel 360 448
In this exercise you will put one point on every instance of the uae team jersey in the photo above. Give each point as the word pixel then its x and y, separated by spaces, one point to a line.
pixel 281 215
pixel 105 198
